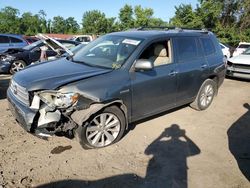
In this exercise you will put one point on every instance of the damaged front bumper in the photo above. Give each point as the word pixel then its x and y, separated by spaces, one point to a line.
pixel 23 114
pixel 41 122
pixel 50 112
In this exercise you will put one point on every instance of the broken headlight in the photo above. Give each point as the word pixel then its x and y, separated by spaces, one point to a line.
pixel 59 100
pixel 7 58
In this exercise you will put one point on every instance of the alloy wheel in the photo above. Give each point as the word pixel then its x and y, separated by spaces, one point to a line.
pixel 207 95
pixel 17 66
pixel 103 130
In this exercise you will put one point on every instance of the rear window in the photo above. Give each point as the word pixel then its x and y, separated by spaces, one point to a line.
pixel 208 46
pixel 15 40
pixel 187 48
pixel 244 46
pixel 4 39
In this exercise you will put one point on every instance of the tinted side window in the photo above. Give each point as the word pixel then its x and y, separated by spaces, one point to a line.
pixel 15 40
pixel 244 46
pixel 4 39
pixel 78 39
pixel 208 46
pixel 187 48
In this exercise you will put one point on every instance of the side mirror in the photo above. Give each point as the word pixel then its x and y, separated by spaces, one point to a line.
pixel 143 64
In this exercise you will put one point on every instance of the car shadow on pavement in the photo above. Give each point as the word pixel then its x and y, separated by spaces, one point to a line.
pixel 4 84
pixel 239 142
pixel 167 167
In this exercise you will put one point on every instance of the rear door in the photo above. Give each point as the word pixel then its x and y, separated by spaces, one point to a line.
pixel 192 68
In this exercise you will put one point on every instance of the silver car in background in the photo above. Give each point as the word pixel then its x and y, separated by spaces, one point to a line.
pixel 239 66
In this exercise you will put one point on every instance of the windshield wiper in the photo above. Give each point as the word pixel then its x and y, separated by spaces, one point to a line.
pixel 82 62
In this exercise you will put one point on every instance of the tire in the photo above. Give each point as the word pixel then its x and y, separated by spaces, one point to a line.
pixel 17 66
pixel 205 95
pixel 103 128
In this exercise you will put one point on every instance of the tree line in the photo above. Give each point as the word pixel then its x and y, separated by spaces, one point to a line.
pixel 229 19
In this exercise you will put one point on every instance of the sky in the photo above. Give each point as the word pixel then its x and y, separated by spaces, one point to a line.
pixel 163 9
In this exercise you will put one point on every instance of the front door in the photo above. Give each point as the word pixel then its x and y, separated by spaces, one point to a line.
pixel 154 90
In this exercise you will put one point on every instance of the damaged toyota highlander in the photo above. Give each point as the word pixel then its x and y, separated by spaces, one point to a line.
pixel 117 79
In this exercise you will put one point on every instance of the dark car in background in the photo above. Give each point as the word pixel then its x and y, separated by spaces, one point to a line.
pixel 117 79
pixel 13 60
pixel 30 39
pixel 8 41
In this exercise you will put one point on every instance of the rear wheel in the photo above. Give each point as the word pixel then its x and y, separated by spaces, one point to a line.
pixel 103 129
pixel 205 95
pixel 17 66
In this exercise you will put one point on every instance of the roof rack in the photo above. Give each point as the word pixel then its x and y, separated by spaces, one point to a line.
pixel 172 27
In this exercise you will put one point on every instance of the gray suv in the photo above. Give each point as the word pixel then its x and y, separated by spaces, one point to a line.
pixel 117 79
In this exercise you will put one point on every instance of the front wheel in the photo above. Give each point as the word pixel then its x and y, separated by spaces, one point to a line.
pixel 104 128
pixel 205 95
pixel 17 66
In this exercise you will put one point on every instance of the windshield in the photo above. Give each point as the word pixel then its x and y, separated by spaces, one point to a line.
pixel 107 51
pixel 33 45
pixel 247 52
pixel 77 48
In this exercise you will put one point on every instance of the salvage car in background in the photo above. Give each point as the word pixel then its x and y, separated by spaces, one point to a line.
pixel 8 41
pixel 225 50
pixel 14 60
pixel 241 48
pixel 117 79
pixel 239 66
pixel 85 39
pixel 30 39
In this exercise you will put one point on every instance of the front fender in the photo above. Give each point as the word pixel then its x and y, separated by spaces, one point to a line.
pixel 81 116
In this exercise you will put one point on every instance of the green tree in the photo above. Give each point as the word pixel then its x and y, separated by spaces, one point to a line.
pixel 244 22
pixel 95 22
pixel 72 26
pixel 43 22
pixel 126 17
pixel 58 25
pixel 9 20
pixel 30 24
pixel 142 16
pixel 185 16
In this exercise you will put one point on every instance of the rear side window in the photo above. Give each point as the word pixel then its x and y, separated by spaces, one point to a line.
pixel 187 48
pixel 15 40
pixel 208 46
pixel 4 39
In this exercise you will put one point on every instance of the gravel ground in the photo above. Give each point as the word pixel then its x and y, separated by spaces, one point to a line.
pixel 181 148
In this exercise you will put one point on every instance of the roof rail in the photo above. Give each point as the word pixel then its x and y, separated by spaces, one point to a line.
pixel 172 27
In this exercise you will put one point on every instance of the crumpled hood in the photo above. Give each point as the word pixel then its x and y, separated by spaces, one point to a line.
pixel 53 74
pixel 240 59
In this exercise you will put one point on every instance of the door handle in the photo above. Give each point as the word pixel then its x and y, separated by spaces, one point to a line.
pixel 204 66
pixel 172 73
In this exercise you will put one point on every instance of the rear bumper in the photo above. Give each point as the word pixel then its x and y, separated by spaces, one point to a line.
pixel 23 114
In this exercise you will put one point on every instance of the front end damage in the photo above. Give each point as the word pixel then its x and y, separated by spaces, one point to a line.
pixel 45 113
pixel 54 110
